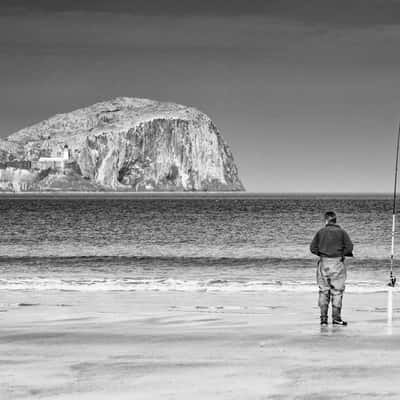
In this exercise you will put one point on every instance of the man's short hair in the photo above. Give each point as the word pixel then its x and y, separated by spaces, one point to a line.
pixel 330 216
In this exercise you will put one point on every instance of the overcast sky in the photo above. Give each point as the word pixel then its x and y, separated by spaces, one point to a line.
pixel 306 93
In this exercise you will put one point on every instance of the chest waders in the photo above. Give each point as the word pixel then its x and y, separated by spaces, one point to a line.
pixel 331 278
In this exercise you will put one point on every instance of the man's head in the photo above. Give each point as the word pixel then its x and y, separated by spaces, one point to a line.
pixel 330 217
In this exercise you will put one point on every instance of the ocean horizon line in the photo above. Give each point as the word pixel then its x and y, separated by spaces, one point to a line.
pixel 209 194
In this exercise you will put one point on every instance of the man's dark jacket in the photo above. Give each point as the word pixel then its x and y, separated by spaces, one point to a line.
pixel 332 241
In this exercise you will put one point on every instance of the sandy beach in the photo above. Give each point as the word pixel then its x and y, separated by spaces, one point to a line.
pixel 125 345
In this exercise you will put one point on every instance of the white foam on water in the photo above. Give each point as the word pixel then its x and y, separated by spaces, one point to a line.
pixel 176 285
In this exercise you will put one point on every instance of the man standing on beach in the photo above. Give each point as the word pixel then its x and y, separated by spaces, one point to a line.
pixel 332 244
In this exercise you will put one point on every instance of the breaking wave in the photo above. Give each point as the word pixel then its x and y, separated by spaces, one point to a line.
pixel 176 285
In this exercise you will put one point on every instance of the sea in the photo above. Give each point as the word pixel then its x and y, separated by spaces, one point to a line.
pixel 194 242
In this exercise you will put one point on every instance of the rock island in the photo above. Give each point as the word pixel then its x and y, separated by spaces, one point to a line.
pixel 124 145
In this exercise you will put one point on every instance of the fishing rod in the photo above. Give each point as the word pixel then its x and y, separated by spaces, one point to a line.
pixel 392 282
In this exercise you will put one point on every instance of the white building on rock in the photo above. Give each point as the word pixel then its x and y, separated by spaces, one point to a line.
pixel 56 161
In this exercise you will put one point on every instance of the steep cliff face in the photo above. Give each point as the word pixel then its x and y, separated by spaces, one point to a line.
pixel 130 144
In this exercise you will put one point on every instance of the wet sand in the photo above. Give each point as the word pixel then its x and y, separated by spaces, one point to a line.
pixel 115 345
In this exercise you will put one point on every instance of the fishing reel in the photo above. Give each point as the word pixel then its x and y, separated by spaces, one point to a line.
pixel 392 281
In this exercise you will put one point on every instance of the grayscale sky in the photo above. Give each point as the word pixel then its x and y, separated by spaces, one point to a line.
pixel 306 93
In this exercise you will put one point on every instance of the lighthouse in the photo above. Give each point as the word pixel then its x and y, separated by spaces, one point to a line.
pixel 65 154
